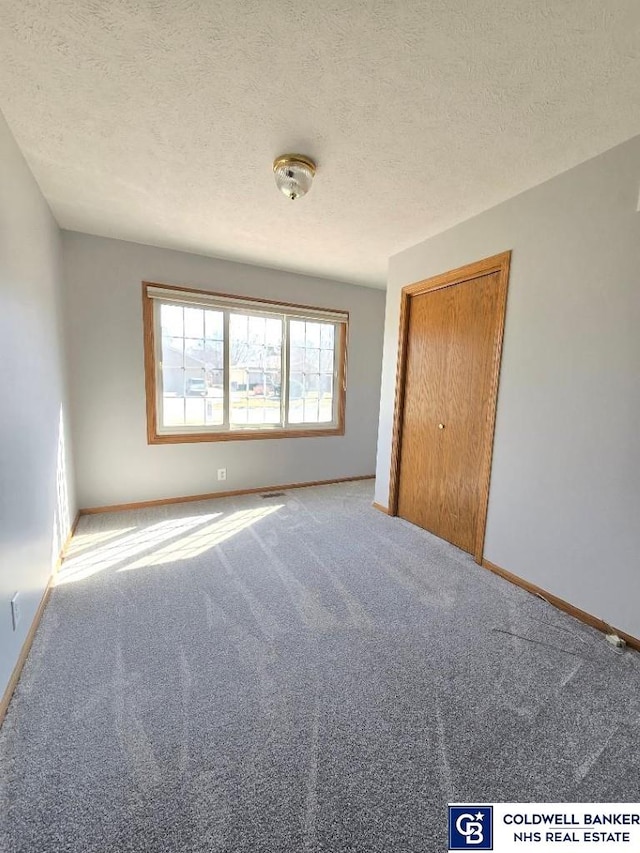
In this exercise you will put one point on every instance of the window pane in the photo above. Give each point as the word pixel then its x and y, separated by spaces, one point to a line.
pixel 272 413
pixel 296 332
pixel 173 411
pixel 296 359
pixel 214 325
pixel 215 381
pixel 312 363
pixel 325 410
pixel 326 361
pixel 171 320
pixel 311 409
pixel 214 410
pixel 194 411
pixel 191 362
pixel 274 332
pixel 194 349
pixel 213 356
pixel 195 383
pixel 313 334
pixel 326 335
pixel 296 387
pixel 311 384
pixel 239 409
pixel 194 322
pixel 238 412
pixel 263 411
pixel 254 409
pixel 172 355
pixel 257 329
pixel 296 411
pixel 255 345
pixel 172 382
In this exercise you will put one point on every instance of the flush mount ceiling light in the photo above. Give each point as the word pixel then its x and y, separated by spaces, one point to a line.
pixel 294 174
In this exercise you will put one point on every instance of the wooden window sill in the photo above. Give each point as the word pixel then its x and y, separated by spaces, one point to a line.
pixel 241 435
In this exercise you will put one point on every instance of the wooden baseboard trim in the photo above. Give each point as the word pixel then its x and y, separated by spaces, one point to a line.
pixel 563 605
pixel 26 646
pixel 380 508
pixel 212 495
pixel 24 651
pixel 67 542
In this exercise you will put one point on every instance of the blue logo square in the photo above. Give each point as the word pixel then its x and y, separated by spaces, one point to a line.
pixel 470 827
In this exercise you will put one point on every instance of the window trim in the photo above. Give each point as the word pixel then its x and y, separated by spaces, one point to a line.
pixel 151 368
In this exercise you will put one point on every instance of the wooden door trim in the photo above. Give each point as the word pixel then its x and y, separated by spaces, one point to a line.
pixel 496 264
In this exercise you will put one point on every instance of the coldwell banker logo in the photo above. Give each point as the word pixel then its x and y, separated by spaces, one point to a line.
pixel 470 828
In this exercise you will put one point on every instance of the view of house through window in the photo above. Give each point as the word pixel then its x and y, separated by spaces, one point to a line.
pixel 255 373
pixel 223 369
pixel 192 366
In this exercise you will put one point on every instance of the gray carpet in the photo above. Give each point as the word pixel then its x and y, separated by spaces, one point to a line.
pixel 298 673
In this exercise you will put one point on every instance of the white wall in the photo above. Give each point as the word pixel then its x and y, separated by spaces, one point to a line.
pixel 564 508
pixel 37 502
pixel 104 329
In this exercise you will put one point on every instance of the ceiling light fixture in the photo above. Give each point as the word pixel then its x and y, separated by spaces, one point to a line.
pixel 294 174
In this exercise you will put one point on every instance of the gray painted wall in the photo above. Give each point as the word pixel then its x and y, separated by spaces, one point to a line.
pixel 104 331
pixel 564 508
pixel 37 502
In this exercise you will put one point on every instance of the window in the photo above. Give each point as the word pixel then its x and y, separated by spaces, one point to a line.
pixel 223 367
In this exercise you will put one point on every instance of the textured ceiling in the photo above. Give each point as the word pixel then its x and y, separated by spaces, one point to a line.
pixel 157 120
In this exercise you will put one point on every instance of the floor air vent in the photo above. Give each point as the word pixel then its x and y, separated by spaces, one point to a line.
pixel 273 495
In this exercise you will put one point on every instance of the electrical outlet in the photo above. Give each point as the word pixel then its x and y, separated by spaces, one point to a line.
pixel 15 612
pixel 222 473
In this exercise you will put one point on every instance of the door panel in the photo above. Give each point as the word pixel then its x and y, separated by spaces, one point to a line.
pixel 451 350
pixel 421 460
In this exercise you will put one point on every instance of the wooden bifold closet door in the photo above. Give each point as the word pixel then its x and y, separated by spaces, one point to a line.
pixel 451 337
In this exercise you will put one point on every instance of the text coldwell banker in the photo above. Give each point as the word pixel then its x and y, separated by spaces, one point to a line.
pixel 542 819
